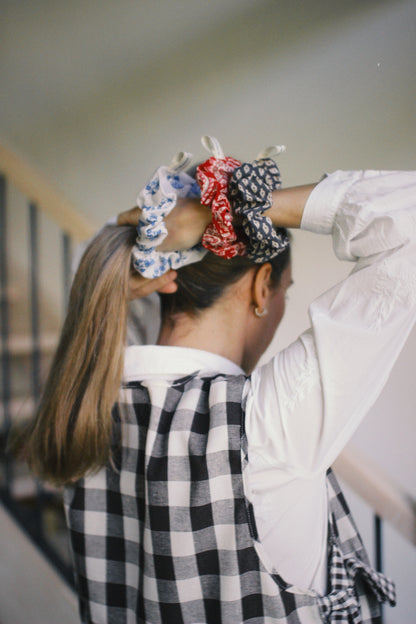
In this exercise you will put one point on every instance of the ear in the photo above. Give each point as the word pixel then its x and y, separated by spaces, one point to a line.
pixel 260 286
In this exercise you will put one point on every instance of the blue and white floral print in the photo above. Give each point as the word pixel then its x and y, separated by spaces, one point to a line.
pixel 157 200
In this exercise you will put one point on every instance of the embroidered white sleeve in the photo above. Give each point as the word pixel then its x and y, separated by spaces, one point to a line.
pixel 309 402
pixel 392 289
pixel 301 385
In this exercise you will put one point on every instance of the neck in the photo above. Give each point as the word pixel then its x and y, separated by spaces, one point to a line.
pixel 219 330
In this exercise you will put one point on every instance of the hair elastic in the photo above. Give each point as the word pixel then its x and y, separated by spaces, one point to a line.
pixel 213 177
pixel 251 186
pixel 156 201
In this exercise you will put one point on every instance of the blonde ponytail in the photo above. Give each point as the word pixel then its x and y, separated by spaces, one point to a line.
pixel 71 434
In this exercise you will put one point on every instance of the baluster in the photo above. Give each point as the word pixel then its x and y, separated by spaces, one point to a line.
pixel 6 486
pixel 378 543
pixel 66 266
pixel 34 301
pixel 378 549
pixel 36 353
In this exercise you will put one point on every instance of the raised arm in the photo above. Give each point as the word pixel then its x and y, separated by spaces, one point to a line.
pixel 288 205
pixel 318 389
pixel 187 222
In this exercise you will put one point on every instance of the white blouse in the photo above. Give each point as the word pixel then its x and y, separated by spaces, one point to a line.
pixel 304 405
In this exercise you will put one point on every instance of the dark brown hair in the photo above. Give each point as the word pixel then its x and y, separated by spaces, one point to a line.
pixel 202 283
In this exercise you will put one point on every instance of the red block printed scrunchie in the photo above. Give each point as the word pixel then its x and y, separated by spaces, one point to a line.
pixel 213 176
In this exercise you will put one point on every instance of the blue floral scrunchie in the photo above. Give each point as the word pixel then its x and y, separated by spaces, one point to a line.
pixel 250 191
pixel 156 201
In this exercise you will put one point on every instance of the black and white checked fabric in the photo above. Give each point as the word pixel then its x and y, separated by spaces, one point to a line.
pixel 356 589
pixel 250 190
pixel 165 534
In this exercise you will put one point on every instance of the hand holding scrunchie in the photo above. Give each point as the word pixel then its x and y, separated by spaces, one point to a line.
pixel 250 189
pixel 156 201
pixel 213 176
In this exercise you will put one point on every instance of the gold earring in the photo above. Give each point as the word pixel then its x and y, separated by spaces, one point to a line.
pixel 259 313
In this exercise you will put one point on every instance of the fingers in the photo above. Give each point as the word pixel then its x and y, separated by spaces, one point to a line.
pixel 129 217
pixel 140 286
pixel 166 283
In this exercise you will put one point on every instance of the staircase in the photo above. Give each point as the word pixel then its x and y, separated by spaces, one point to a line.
pixel 37 230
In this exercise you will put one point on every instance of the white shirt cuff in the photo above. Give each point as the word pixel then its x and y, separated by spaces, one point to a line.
pixel 322 204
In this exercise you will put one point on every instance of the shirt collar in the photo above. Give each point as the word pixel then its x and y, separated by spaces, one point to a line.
pixel 143 362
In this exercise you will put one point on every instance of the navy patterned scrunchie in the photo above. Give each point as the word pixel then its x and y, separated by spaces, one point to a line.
pixel 250 191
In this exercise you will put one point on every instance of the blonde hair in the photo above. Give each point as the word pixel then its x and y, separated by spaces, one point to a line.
pixel 71 434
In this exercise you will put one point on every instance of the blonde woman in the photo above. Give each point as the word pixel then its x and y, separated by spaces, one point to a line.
pixel 198 486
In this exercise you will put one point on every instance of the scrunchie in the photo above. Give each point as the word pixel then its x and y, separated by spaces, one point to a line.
pixel 213 177
pixel 157 200
pixel 250 191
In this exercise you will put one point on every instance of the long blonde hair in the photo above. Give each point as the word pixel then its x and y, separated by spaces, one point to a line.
pixel 71 434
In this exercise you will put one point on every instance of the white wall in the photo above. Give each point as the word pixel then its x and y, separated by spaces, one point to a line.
pixel 97 94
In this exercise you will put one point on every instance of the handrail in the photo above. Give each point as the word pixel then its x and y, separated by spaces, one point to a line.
pixel 36 189
pixel 388 500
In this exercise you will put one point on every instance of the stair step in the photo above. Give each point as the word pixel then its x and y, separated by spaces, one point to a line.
pixel 21 409
pixel 25 487
pixel 22 344
pixel 31 590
